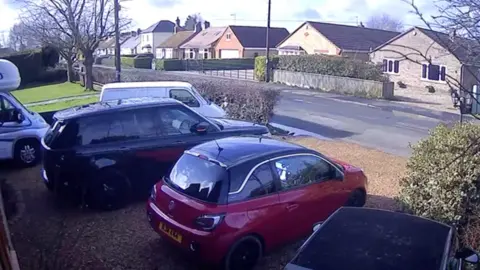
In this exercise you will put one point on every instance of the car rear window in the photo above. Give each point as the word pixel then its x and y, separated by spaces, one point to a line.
pixel 198 178
pixel 61 135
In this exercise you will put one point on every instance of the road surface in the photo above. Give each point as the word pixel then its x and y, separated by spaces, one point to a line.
pixel 382 125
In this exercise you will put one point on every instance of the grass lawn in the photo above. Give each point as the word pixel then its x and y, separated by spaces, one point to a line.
pixel 62 104
pixel 51 91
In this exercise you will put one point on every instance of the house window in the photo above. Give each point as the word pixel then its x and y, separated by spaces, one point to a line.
pixel 434 72
pixel 391 66
pixel 205 54
pixel 147 38
pixel 189 54
pixel 228 36
pixel 255 55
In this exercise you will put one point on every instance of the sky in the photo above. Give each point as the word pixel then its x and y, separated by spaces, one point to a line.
pixel 284 13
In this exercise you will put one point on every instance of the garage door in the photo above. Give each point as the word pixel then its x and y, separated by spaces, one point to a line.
pixel 229 54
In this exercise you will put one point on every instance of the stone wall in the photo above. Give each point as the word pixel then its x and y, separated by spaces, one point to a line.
pixel 343 85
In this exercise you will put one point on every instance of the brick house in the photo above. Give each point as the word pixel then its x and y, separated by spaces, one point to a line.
pixel 421 57
pixel 202 45
pixel 334 39
pixel 248 41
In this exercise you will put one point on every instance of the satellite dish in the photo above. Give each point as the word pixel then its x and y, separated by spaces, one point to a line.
pixel 9 76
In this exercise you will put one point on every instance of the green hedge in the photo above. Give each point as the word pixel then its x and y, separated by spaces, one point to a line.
pixel 169 64
pixel 331 65
pixel 127 61
pixel 442 181
pixel 29 64
pixel 261 65
pixel 143 62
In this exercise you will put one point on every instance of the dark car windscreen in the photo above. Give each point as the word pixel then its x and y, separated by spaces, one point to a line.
pixel 198 178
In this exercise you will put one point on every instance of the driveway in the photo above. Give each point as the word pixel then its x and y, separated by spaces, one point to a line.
pixel 383 125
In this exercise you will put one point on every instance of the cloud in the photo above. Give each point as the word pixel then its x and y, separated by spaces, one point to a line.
pixel 8 15
pixel 309 13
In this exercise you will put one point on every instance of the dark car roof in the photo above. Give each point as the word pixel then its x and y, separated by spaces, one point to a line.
pixel 371 239
pixel 114 105
pixel 240 148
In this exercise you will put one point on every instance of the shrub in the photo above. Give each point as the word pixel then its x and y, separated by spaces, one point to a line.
pixel 143 61
pixel 331 65
pixel 169 64
pixel 126 61
pixel 244 100
pixel 442 181
pixel 29 64
pixel 261 65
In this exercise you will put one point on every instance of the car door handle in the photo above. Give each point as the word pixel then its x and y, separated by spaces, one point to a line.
pixel 292 206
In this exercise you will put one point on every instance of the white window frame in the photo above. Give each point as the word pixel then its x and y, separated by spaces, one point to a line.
pixel 439 73
pixel 205 53
pixel 228 36
pixel 393 65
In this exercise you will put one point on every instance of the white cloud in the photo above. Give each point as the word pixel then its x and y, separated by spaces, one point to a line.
pixel 8 16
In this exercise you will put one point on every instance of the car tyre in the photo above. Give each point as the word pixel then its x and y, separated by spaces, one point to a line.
pixel 244 254
pixel 357 198
pixel 27 153
pixel 109 190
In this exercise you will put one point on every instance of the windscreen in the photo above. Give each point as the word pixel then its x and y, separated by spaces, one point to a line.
pixel 137 92
pixel 198 178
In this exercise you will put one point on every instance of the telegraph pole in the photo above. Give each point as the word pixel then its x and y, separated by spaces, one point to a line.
pixel 267 64
pixel 118 63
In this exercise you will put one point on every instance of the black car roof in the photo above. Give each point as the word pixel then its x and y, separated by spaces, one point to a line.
pixel 114 105
pixel 371 239
pixel 240 148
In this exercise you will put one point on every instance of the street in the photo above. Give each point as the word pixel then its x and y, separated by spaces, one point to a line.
pixel 382 125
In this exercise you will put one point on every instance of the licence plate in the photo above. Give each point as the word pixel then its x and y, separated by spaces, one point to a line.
pixel 171 233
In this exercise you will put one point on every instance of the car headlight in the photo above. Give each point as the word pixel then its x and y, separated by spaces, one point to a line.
pixel 153 192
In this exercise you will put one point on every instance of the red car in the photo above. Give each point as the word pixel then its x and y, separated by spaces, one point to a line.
pixel 230 200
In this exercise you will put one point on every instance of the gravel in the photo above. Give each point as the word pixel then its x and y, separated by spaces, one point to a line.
pixel 50 235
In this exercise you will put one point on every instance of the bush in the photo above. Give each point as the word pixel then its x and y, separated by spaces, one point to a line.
pixel 143 61
pixel 169 64
pixel 242 99
pixel 52 75
pixel 328 65
pixel 126 61
pixel 261 65
pixel 29 64
pixel 442 181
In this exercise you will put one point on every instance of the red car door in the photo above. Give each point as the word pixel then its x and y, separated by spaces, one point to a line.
pixel 308 193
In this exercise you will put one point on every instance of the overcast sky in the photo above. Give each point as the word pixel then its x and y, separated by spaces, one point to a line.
pixel 285 13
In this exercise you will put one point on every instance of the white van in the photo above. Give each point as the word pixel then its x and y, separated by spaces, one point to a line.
pixel 181 91
pixel 20 129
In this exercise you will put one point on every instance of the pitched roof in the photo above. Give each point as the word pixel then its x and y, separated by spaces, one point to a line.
pixel 177 39
pixel 161 26
pixel 109 42
pixel 131 42
pixel 255 36
pixel 353 38
pixel 465 50
pixel 205 38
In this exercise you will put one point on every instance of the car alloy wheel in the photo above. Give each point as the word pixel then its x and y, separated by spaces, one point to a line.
pixel 244 254
pixel 27 154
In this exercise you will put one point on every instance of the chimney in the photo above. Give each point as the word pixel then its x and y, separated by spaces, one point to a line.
pixel 177 21
pixel 139 31
pixel 206 24
pixel 198 27
pixel 361 24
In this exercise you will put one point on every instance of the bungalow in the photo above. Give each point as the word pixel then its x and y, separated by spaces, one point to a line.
pixel 419 58
pixel 170 48
pixel 202 45
pixel 334 39
pixel 130 46
pixel 248 41
pixel 106 47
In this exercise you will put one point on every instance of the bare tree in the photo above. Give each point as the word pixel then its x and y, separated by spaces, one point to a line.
pixel 86 22
pixel 385 22
pixel 20 40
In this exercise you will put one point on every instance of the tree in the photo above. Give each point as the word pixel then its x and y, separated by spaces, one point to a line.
pixel 45 31
pixel 86 22
pixel 385 22
pixel 20 39
pixel 191 21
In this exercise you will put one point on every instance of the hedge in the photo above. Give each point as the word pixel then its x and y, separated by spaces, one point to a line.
pixel 142 61
pixel 323 64
pixel 241 99
pixel 261 65
pixel 443 180
pixel 126 61
pixel 169 64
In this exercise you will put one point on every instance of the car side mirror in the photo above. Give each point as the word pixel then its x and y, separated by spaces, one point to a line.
pixel 316 226
pixel 468 255
pixel 200 128
pixel 18 116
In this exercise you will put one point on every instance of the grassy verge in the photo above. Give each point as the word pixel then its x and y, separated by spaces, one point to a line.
pixel 62 104
pixel 48 92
